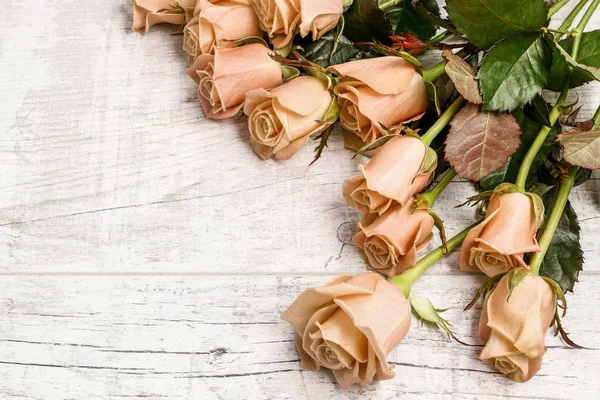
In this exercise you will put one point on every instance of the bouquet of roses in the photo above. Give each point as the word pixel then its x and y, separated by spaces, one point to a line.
pixel 296 67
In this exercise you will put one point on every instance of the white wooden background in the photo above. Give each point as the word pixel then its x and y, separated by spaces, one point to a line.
pixel 146 252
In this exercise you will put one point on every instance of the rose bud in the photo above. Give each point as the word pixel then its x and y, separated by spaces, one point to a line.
pixel 281 18
pixel 151 12
pixel 392 240
pixel 225 77
pixel 283 119
pixel 379 93
pixel 499 243
pixel 217 23
pixel 394 174
pixel 514 325
pixel 350 326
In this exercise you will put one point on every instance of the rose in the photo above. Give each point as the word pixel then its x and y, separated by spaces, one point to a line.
pixel 394 174
pixel 150 12
pixel 514 326
pixel 318 16
pixel 337 328
pixel 281 18
pixel 282 120
pixel 225 77
pixel 499 243
pixel 215 24
pixel 391 241
pixel 379 93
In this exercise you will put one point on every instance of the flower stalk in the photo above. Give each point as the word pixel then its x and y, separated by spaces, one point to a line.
pixel 388 4
pixel 405 280
pixel 556 110
pixel 439 187
pixel 560 202
pixel 555 8
pixel 444 120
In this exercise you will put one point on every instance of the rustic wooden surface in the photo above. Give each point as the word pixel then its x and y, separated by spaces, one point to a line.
pixel 146 252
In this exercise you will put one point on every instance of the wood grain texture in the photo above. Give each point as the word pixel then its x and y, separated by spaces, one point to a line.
pixel 126 219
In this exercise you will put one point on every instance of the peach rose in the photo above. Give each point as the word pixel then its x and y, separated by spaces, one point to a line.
pixel 391 241
pixel 392 175
pixel 215 23
pixel 283 119
pixel 380 91
pixel 350 326
pixel 499 243
pixel 281 18
pixel 224 78
pixel 151 12
pixel 514 326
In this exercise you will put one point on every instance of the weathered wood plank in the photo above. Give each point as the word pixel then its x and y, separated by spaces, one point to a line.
pixel 220 337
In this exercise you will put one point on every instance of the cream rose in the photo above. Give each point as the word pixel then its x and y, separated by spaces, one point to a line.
pixel 215 23
pixel 391 176
pixel 379 93
pixel 282 120
pixel 281 18
pixel 151 12
pixel 337 328
pixel 224 78
pixel 392 240
pixel 514 326
pixel 499 243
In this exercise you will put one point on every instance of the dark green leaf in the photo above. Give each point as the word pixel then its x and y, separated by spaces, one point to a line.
pixel 485 22
pixel 539 110
pixel 514 72
pixel 508 172
pixel 588 55
pixel 320 50
pixel 564 258
pixel 365 22
pixel 413 17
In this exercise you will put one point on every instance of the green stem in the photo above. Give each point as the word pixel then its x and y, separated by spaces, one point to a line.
pixel 560 201
pixel 405 280
pixel 439 187
pixel 554 9
pixel 556 110
pixel 570 18
pixel 596 118
pixel 389 3
pixel 431 74
pixel 444 120
pixel 439 37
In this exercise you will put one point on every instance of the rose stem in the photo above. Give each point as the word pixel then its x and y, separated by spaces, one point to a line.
pixel 570 18
pixel 439 187
pixel 405 280
pixel 444 120
pixel 388 4
pixel 554 9
pixel 439 37
pixel 556 110
pixel 560 202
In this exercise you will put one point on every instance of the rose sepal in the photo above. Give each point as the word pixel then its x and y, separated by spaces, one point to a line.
pixel 429 315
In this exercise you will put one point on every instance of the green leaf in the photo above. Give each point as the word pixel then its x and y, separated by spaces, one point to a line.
pixel 581 148
pixel 509 171
pixel 365 22
pixel 539 110
pixel 564 258
pixel 588 55
pixel 413 17
pixel 322 51
pixel 485 22
pixel 514 72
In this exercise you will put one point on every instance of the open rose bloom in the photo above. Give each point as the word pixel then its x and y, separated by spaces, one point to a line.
pixel 393 175
pixel 379 93
pixel 282 18
pixel 514 328
pixel 215 23
pixel 224 78
pixel 282 120
pixel 500 242
pixel 392 240
pixel 151 12
pixel 350 326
